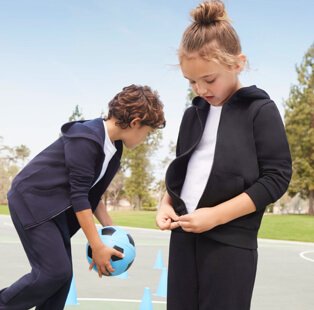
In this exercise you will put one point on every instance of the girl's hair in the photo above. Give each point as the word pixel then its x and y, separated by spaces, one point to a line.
pixel 137 102
pixel 211 35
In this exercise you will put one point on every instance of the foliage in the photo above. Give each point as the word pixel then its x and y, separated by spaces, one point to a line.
pixel 299 120
pixel 115 190
pixel 76 115
pixel 136 163
pixel 11 160
pixel 189 97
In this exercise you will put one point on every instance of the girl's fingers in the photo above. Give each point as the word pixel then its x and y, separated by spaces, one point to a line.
pixel 185 218
pixel 174 225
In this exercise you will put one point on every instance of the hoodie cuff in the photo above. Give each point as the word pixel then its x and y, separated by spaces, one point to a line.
pixel 260 196
pixel 80 205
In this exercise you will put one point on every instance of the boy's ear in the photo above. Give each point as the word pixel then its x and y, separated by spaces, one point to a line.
pixel 135 122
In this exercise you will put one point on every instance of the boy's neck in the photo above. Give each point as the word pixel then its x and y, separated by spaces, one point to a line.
pixel 114 131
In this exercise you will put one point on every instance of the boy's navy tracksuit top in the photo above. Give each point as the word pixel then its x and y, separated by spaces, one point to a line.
pixel 60 178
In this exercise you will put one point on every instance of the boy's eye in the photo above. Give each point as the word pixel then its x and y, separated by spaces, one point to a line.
pixel 192 82
pixel 211 81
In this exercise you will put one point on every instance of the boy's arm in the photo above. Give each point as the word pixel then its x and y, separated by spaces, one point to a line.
pixel 101 253
pixel 102 215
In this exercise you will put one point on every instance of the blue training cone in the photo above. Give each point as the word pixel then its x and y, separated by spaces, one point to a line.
pixel 159 263
pixel 123 275
pixel 146 303
pixel 72 296
pixel 162 286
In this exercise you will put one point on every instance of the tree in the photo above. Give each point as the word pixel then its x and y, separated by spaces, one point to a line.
pixel 22 152
pixel 299 120
pixel 10 158
pixel 161 186
pixel 77 114
pixel 136 163
pixel 189 97
pixel 115 190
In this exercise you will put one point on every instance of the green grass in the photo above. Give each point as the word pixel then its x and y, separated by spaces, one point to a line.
pixel 144 219
pixel 280 227
pixel 4 209
pixel 288 227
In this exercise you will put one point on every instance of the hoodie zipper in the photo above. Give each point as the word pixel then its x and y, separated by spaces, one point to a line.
pixel 190 149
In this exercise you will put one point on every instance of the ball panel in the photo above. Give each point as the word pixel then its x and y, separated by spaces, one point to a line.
pixel 131 239
pixel 108 231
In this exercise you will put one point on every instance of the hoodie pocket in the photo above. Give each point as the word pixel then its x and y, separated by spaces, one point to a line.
pixel 221 186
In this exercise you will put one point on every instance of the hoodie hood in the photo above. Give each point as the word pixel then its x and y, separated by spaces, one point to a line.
pixel 89 129
pixel 248 94
pixel 242 95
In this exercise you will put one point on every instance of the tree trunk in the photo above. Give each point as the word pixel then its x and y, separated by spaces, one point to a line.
pixel 311 202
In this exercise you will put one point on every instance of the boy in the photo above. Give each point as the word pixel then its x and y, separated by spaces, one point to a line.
pixel 61 188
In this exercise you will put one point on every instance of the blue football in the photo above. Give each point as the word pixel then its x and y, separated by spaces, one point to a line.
pixel 119 239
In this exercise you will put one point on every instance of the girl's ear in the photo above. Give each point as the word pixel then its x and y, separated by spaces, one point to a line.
pixel 241 63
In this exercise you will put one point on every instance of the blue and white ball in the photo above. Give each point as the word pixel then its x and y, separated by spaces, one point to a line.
pixel 117 238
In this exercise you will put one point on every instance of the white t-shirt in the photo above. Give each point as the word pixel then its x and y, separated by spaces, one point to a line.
pixel 109 150
pixel 201 161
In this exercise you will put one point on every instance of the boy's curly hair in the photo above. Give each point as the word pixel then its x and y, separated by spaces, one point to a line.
pixel 137 101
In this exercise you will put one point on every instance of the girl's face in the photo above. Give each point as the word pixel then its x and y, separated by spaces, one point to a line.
pixel 211 80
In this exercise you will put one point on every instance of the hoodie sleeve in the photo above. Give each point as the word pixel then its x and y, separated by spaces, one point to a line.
pixel 273 156
pixel 81 155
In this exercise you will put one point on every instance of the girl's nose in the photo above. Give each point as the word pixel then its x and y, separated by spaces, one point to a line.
pixel 201 90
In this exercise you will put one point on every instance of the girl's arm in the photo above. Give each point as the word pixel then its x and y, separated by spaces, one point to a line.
pixel 204 219
pixel 166 217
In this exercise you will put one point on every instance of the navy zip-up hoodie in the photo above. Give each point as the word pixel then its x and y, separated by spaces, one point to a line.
pixel 252 156
pixel 60 177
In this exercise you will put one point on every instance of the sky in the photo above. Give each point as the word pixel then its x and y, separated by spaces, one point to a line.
pixel 56 54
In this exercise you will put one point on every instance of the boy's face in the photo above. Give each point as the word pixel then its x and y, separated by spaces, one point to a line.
pixel 136 134
pixel 210 80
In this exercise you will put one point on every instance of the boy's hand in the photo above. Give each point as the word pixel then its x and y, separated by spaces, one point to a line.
pixel 101 258
pixel 200 220
pixel 166 217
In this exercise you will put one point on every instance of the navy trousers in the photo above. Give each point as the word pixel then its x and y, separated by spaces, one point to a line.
pixel 207 275
pixel 48 250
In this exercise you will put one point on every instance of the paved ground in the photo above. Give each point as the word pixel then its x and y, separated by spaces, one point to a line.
pixel 285 274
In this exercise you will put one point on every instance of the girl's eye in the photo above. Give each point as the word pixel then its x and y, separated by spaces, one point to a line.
pixel 192 82
pixel 211 81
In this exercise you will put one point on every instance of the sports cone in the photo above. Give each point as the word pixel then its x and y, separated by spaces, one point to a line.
pixel 162 286
pixel 123 275
pixel 72 296
pixel 146 303
pixel 159 263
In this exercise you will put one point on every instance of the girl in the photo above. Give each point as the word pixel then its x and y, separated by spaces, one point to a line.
pixel 232 160
pixel 61 188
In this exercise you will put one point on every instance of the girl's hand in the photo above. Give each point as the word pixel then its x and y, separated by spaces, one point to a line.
pixel 166 217
pixel 101 258
pixel 200 220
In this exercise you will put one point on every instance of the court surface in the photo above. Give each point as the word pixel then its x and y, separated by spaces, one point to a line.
pixel 285 275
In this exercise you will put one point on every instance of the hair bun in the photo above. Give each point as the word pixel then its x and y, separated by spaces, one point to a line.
pixel 209 12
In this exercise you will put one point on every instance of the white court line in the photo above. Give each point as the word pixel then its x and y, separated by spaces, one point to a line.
pixel 303 255
pixel 119 300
